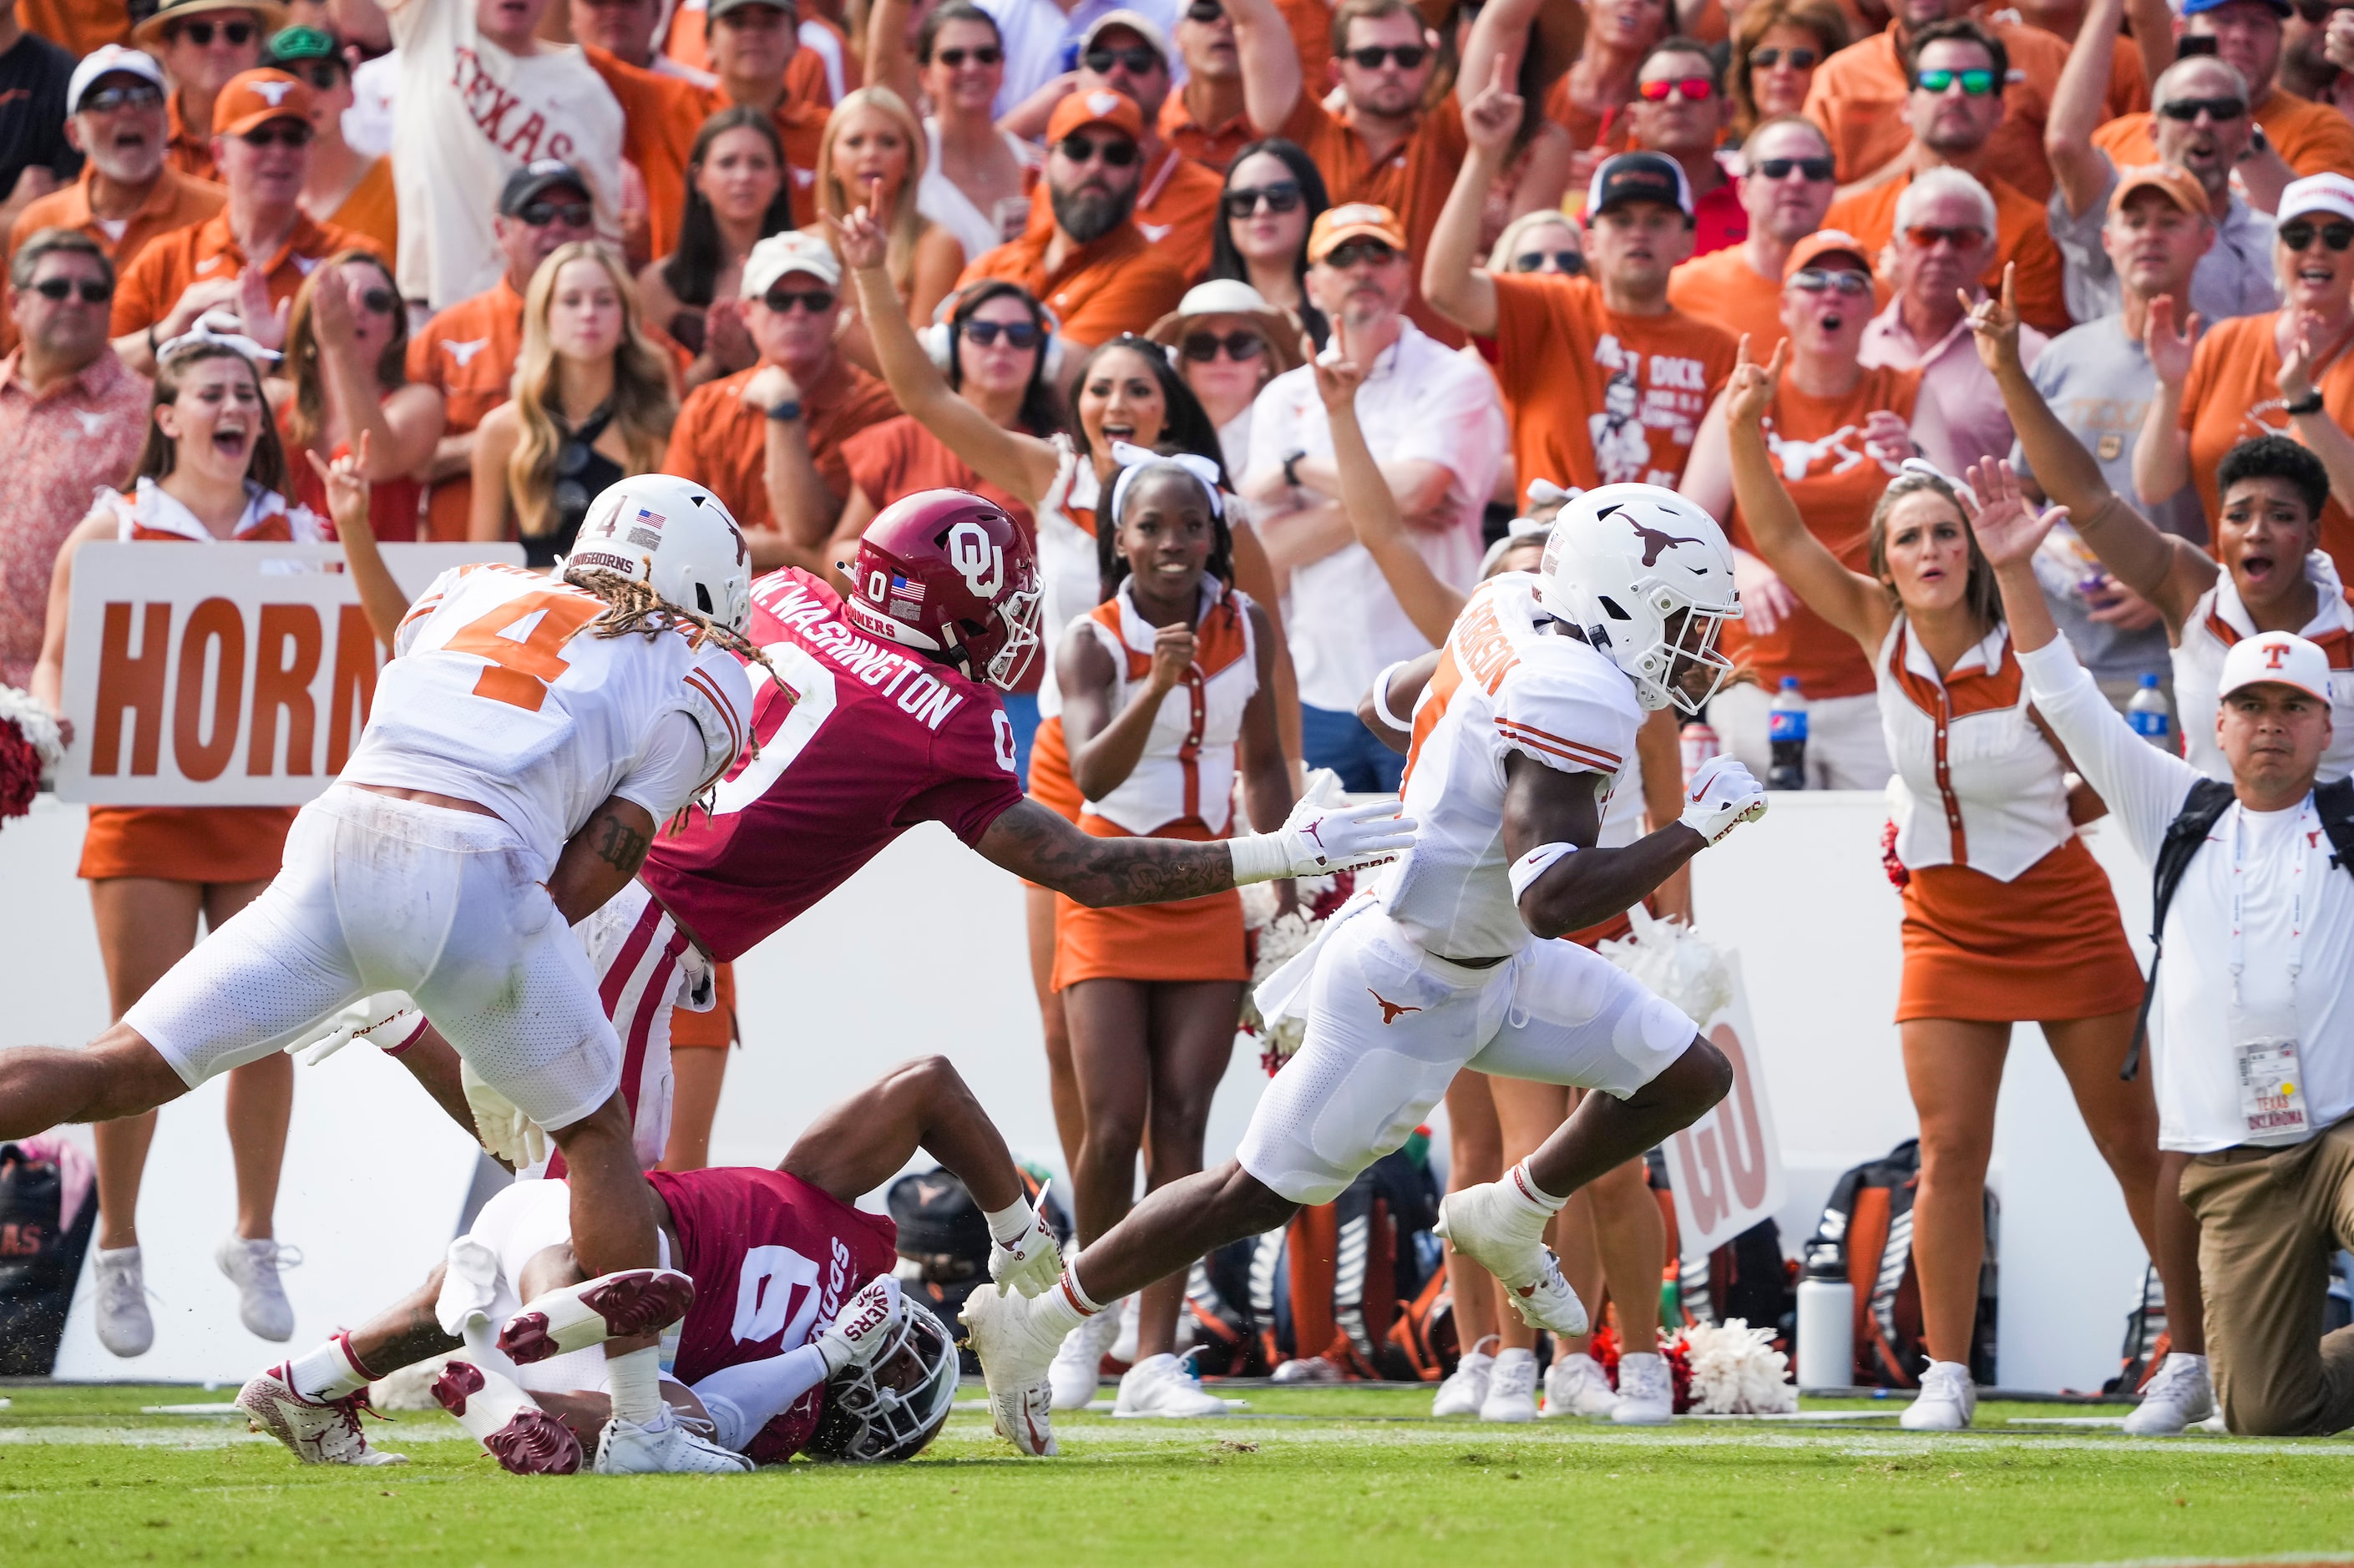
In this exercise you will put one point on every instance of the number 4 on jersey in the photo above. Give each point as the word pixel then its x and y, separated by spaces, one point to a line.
pixel 523 639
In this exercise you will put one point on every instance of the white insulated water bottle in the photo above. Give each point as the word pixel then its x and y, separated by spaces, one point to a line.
pixel 1825 1322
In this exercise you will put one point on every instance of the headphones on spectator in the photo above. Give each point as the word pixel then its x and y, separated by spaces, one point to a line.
pixel 939 339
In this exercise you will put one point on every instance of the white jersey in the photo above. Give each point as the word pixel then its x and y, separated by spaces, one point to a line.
pixel 2220 619
pixel 498 694
pixel 1503 685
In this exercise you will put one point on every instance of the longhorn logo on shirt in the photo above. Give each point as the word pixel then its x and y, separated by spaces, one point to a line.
pixel 980 561
pixel 1391 1010
pixel 463 353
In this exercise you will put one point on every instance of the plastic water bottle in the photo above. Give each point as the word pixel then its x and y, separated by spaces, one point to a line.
pixel 1699 740
pixel 2147 713
pixel 1825 1322
pixel 1786 727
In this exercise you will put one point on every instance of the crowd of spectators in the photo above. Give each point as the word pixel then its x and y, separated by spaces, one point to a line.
pixel 818 257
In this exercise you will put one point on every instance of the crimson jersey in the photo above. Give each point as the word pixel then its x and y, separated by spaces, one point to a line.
pixel 773 1259
pixel 860 742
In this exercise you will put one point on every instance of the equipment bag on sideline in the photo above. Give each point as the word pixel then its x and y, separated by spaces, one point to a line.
pixel 47 1210
pixel 2201 809
pixel 1868 1220
pixel 1332 1282
pixel 943 1241
pixel 1747 1277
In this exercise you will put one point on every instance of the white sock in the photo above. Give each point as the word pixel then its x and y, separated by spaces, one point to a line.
pixel 635 1381
pixel 1523 1186
pixel 328 1373
pixel 2188 1359
pixel 1514 1353
pixel 1009 1224
pixel 1473 1361
pixel 1065 1307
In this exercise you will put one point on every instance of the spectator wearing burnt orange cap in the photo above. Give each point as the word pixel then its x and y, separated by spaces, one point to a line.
pixel 201 44
pixel 1091 266
pixel 254 253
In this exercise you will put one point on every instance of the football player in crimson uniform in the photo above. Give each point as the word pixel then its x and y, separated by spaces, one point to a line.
pixel 798 1337
pixel 1520 726
pixel 875 713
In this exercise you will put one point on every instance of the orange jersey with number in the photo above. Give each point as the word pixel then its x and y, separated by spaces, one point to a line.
pixel 498 693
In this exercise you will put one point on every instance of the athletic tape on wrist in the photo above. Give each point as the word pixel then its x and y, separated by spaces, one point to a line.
pixel 1259 857
pixel 1535 863
pixel 1009 1224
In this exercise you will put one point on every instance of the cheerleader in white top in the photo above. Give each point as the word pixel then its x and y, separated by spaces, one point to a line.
pixel 1168 698
pixel 2006 916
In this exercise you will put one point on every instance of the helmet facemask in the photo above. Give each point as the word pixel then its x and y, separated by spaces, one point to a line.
pixel 1021 612
pixel 1659 675
pixel 890 1408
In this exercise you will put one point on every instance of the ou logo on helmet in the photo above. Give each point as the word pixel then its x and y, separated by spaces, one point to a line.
pixel 978 559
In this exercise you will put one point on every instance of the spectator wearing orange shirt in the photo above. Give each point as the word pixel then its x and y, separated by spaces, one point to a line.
pixel 1777 49
pixel 1679 111
pixel 79 26
pixel 1590 99
pixel 752 42
pixel 202 44
pixel 1205 119
pixel 129 193
pixel 346 188
pixel 1860 96
pixel 1786 193
pixel 1091 266
pixel 767 440
pixel 468 352
pixel 252 254
pixel 735 198
pixel 2299 136
pixel 1954 107
pixel 663 106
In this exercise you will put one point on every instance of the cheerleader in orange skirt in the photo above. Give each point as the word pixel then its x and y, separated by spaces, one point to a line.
pixel 212 472
pixel 2006 917
pixel 1167 699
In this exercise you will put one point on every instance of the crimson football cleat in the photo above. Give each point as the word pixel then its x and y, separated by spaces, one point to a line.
pixel 611 1307
pixel 525 1439
pixel 947 572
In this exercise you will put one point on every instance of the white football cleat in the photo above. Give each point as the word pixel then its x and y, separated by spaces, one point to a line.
pixel 1015 1349
pixel 2180 1395
pixel 1306 1368
pixel 1077 1367
pixel 252 1266
pixel 1466 1388
pixel 1948 1400
pixel 1647 1391
pixel 1492 1226
pixel 525 1439
pixel 1511 1388
pixel 1123 1345
pixel 1576 1385
pixel 663 1448
pixel 1165 1386
pixel 611 1307
pixel 124 1325
pixel 317 1431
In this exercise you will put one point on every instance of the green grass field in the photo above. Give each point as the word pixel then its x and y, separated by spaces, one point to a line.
pixel 1355 1477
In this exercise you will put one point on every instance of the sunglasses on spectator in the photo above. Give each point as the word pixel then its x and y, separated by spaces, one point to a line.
pixel 1569 263
pixel 107 99
pixel 1017 334
pixel 1693 88
pixel 278 133
pixel 1960 236
pixel 1244 200
pixel 1975 83
pixel 1797 60
pixel 1139 59
pixel 986 55
pixel 1409 56
pixel 1204 11
pixel 322 75
pixel 2186 110
pixel 1816 170
pixel 817 302
pixel 379 301
pixel 1241 346
pixel 1349 252
pixel 93 291
pixel 1118 151
pixel 540 213
pixel 237 34
pixel 2298 233
pixel 1823 280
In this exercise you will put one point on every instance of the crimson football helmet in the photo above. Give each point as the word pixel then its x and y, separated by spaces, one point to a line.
pixel 947 572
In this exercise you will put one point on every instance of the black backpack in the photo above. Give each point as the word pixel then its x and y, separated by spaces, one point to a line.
pixel 2201 809
pixel 1867 1226
pixel 943 1241
pixel 39 1260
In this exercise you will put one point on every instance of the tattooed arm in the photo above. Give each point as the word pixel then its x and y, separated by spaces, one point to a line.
pixel 600 859
pixel 1034 843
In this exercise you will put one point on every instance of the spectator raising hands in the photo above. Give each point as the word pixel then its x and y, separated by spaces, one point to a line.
pixel 347 346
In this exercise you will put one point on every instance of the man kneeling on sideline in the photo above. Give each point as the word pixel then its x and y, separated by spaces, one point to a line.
pixel 2252 1021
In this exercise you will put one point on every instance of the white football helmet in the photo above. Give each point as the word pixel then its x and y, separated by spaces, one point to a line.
pixel 1622 563
pixel 677 537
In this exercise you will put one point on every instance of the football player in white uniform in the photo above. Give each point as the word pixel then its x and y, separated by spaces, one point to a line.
pixel 1520 726
pixel 526 740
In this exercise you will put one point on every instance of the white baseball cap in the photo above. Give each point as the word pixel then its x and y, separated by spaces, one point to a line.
pixel 2277 659
pixel 2317 193
pixel 108 59
pixel 791 251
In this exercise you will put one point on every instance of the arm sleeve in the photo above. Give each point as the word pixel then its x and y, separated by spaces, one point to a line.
pixel 670 767
pixel 743 1399
pixel 1563 722
pixel 2144 787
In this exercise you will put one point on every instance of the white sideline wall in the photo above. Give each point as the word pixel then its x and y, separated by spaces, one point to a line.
pixel 924 951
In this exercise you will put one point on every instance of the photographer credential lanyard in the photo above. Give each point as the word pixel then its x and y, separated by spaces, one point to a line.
pixel 2265 1046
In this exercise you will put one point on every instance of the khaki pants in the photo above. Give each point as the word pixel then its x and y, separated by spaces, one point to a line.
pixel 2270 1220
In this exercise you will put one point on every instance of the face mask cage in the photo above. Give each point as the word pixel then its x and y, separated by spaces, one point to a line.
pixel 1022 610
pixel 1692 644
pixel 888 1425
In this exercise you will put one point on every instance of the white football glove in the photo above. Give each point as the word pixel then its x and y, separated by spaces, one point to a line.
pixel 864 1326
pixel 1318 838
pixel 1722 796
pixel 388 1019
pixel 504 1130
pixel 1031 1262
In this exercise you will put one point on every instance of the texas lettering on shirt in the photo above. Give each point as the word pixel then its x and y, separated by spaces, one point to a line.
pixel 490 104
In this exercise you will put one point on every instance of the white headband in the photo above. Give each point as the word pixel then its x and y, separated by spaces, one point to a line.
pixel 1924 466
pixel 216 327
pixel 1132 457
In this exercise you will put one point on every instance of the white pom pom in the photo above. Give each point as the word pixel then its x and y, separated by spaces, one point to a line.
pixel 1735 1371
pixel 1675 963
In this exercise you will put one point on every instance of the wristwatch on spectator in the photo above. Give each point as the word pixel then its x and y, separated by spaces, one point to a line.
pixel 2308 404
pixel 786 412
pixel 2258 143
pixel 1291 466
